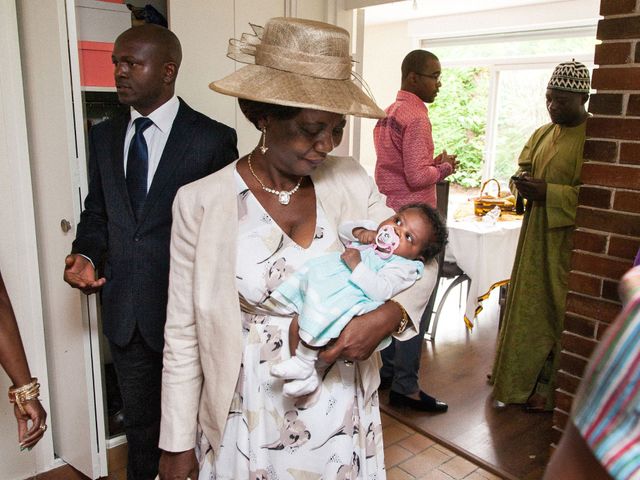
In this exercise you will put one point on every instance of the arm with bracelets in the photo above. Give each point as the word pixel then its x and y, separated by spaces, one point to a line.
pixel 25 391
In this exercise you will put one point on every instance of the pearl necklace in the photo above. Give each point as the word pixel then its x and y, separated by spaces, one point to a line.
pixel 284 197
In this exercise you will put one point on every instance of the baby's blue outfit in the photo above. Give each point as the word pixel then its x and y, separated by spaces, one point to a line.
pixel 326 295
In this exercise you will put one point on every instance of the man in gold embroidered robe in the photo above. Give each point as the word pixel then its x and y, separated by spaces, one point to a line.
pixel 548 178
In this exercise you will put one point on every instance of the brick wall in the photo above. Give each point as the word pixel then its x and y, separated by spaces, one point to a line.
pixel 608 221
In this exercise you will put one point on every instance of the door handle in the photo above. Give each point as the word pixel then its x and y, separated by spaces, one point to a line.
pixel 65 225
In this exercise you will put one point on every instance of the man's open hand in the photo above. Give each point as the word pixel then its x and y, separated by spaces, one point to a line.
pixel 80 274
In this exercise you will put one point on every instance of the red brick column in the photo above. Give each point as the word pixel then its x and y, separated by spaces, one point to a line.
pixel 608 221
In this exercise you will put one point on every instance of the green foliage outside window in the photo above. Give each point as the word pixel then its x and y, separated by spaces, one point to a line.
pixel 521 109
pixel 459 113
pixel 459 119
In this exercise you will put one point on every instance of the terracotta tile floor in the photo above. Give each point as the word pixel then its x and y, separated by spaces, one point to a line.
pixel 409 455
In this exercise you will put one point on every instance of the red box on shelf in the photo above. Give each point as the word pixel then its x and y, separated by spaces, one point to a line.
pixel 96 69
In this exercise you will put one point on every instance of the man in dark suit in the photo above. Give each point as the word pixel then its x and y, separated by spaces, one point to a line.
pixel 136 166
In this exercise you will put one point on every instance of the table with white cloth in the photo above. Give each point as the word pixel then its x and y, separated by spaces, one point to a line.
pixel 485 252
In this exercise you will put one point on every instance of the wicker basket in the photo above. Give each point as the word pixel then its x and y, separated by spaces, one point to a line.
pixel 485 203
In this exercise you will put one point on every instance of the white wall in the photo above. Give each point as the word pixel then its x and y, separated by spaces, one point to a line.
pixel 557 14
pixel 18 254
pixel 315 9
pixel 384 48
pixel 204 29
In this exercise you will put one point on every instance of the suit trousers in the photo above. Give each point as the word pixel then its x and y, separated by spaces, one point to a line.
pixel 139 372
pixel 401 361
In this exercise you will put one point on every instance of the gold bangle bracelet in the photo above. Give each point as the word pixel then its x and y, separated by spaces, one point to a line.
pixel 20 395
pixel 404 322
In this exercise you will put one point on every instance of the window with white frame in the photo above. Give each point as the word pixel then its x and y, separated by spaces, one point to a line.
pixel 493 95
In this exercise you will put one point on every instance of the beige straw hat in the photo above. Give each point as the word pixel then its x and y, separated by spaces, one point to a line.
pixel 297 63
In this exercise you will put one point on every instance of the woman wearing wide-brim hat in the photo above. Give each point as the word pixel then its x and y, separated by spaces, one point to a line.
pixel 236 235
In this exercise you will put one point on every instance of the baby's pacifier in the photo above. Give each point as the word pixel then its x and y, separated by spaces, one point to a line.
pixel 387 241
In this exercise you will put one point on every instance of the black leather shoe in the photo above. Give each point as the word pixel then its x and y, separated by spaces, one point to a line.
pixel 426 403
pixel 385 383
pixel 116 423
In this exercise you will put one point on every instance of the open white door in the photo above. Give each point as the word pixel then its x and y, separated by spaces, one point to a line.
pixel 56 143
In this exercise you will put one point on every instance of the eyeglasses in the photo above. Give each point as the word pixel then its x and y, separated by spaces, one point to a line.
pixel 434 76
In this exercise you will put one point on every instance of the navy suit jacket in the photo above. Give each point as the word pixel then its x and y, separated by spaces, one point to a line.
pixel 134 256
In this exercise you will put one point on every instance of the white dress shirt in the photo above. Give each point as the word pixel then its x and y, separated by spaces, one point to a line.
pixel 156 135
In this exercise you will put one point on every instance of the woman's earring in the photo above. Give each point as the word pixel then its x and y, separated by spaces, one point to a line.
pixel 263 147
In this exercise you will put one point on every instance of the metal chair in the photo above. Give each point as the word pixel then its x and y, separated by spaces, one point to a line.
pixel 445 270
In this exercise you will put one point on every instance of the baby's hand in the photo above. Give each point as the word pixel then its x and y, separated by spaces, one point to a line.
pixel 364 236
pixel 351 257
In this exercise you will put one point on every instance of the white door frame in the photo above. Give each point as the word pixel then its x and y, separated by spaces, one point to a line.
pixel 57 156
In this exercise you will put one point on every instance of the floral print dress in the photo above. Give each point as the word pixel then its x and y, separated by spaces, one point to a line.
pixel 333 433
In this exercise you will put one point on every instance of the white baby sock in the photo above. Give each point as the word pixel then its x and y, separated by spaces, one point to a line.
pixel 298 367
pixel 298 388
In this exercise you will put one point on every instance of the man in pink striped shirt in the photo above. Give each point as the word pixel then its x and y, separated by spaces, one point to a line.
pixel 407 172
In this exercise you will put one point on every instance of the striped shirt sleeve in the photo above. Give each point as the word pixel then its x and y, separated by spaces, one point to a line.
pixel 607 407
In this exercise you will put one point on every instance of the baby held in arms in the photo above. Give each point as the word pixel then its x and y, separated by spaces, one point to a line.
pixel 379 262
